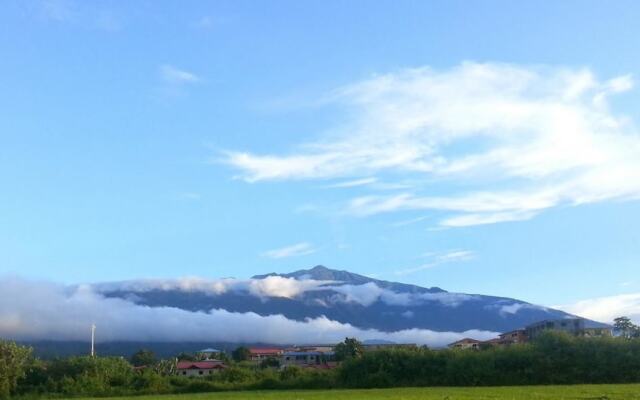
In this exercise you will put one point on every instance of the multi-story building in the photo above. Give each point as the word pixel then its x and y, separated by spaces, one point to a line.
pixel 573 326
pixel 513 337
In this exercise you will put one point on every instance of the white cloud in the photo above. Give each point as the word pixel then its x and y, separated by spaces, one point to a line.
pixel 41 310
pixel 522 139
pixel 174 75
pixel 605 309
pixel 295 250
pixel 277 286
pixel 436 259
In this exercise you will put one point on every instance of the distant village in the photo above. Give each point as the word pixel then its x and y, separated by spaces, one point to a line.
pixel 209 361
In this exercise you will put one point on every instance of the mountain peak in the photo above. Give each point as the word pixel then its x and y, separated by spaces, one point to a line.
pixel 322 273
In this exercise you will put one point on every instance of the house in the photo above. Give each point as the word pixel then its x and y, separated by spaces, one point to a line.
pixel 508 338
pixel 466 343
pixel 199 368
pixel 262 353
pixel 572 326
pixel 208 354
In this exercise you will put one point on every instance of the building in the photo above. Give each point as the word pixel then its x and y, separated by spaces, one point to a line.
pixel 306 358
pixel 466 343
pixel 513 337
pixel 208 354
pixel 262 353
pixel 322 348
pixel 199 368
pixel 572 326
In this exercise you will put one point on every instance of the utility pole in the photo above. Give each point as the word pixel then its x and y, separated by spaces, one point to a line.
pixel 93 340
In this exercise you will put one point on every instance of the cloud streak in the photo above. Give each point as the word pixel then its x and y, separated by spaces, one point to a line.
pixel 353 183
pixel 295 250
pixel 436 259
pixel 519 139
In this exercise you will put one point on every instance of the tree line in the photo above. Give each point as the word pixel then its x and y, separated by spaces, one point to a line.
pixel 553 358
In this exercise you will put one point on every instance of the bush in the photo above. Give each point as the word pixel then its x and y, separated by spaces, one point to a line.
pixel 14 360
pixel 554 358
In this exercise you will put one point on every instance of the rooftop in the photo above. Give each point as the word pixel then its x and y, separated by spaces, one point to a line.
pixel 201 364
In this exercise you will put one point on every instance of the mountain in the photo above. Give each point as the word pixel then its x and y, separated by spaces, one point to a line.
pixel 322 273
pixel 341 296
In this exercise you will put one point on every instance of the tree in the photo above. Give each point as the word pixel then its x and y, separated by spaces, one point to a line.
pixel 185 357
pixel 166 367
pixel 350 348
pixel 224 357
pixel 624 327
pixel 270 362
pixel 143 357
pixel 14 360
pixel 241 353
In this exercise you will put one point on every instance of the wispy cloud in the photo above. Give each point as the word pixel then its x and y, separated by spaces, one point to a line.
pixel 353 183
pixel 519 139
pixel 78 14
pixel 295 250
pixel 408 221
pixel 605 309
pixel 174 75
pixel 57 10
pixel 436 259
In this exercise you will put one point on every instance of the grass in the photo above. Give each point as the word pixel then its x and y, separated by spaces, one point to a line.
pixel 573 392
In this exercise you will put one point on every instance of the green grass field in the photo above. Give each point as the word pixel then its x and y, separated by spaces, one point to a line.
pixel 584 392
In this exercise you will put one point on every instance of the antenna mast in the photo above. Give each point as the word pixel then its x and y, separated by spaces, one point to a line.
pixel 93 340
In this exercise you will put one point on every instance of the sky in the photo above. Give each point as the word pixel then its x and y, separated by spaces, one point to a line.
pixel 483 147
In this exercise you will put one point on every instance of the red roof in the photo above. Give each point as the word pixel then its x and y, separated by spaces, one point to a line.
pixel 265 350
pixel 201 365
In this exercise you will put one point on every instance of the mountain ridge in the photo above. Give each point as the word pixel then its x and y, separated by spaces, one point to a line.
pixel 349 298
pixel 322 273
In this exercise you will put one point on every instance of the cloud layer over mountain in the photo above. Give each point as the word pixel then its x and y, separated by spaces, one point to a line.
pixel 278 286
pixel 42 310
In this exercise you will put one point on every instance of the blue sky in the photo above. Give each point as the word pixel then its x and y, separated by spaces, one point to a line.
pixel 164 139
